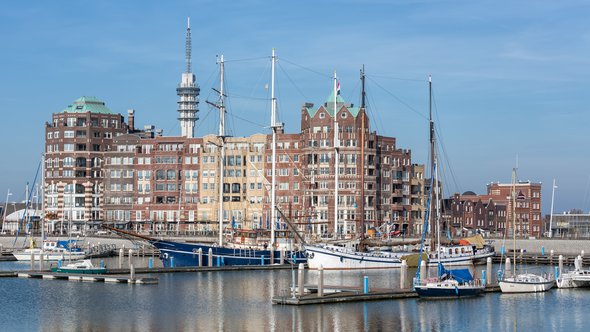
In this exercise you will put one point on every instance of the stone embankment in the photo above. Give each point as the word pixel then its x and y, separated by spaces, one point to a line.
pixel 559 246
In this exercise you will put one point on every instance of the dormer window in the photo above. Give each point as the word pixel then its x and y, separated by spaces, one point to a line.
pixel 343 115
pixel 322 115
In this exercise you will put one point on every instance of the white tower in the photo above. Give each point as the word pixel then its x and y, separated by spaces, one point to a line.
pixel 188 91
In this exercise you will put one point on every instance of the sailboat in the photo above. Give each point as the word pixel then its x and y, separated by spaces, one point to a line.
pixel 449 283
pixel 524 282
pixel 224 252
pixel 50 250
pixel 348 255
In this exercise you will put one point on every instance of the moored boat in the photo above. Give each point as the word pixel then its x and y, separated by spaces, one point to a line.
pixel 80 267
pixel 449 284
pixel 52 250
pixel 526 283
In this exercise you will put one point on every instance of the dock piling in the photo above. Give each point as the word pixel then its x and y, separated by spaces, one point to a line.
pixel 210 260
pixel 150 263
pixel 272 255
pixel 582 254
pixel 423 271
pixel 132 271
pixel 556 272
pixel 282 257
pixel 489 270
pixel 301 279
pixel 321 281
pixel 41 261
pixel 366 284
pixel 121 252
pixel 484 278
pixel 560 264
pixel 542 251
pixel 200 255
pixel 130 257
pixel 403 275
pixel 507 268
pixel 32 261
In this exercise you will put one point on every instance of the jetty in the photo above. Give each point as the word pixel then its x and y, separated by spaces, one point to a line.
pixel 128 279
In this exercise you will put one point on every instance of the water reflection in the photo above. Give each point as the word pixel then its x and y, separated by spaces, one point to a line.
pixel 240 301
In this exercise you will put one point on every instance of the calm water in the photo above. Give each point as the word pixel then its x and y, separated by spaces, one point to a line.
pixel 240 301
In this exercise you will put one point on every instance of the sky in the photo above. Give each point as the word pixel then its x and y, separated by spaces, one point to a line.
pixel 509 77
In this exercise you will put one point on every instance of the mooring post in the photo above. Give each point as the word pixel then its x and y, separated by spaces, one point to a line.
pixel 560 264
pixel 542 251
pixel 210 262
pixel 366 284
pixel 262 260
pixel 301 279
pixel 489 270
pixel 582 254
pixel 282 257
pixel 132 271
pixel 1 250
pixel 556 272
pixel 200 255
pixel 321 281
pixel 422 271
pixel 580 261
pixel 32 261
pixel 272 255
pixel 507 269
pixel 484 279
pixel 403 275
pixel 150 263
pixel 41 261
pixel 121 253
pixel 130 257
pixel 172 261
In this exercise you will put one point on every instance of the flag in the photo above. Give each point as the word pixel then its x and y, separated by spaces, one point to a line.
pixel 337 88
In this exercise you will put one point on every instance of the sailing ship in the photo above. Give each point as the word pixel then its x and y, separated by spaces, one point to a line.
pixel 348 256
pixel 524 282
pixel 234 249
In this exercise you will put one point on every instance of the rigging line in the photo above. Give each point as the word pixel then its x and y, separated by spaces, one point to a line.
pixel 246 59
pixel 397 78
pixel 442 144
pixel 246 120
pixel 400 101
pixel 238 96
pixel 373 114
pixel 292 82
pixel 308 69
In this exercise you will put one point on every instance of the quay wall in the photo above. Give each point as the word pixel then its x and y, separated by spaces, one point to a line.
pixel 559 246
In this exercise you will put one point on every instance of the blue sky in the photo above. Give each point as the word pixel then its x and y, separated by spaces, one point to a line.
pixel 510 77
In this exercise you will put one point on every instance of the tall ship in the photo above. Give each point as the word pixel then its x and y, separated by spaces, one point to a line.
pixel 235 246
pixel 350 254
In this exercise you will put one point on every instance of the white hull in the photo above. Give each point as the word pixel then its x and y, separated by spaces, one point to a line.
pixel 525 283
pixel 574 279
pixel 331 257
pixel 47 256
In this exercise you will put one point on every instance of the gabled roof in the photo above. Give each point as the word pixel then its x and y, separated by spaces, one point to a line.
pixel 87 104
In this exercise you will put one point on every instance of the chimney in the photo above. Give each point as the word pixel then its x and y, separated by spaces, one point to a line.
pixel 131 119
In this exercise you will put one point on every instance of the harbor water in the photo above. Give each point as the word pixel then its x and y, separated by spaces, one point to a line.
pixel 241 301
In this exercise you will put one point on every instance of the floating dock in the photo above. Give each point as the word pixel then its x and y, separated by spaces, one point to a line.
pixel 125 279
pixel 340 294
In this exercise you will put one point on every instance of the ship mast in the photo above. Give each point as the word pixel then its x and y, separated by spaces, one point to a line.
pixel 221 136
pixel 362 156
pixel 273 126
pixel 336 156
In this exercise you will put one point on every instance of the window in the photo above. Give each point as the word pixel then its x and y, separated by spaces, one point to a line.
pixel 68 147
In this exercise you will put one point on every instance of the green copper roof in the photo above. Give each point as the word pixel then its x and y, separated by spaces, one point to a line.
pixel 329 106
pixel 87 104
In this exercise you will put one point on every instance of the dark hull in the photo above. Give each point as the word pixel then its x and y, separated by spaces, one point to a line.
pixel 443 292
pixel 178 254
